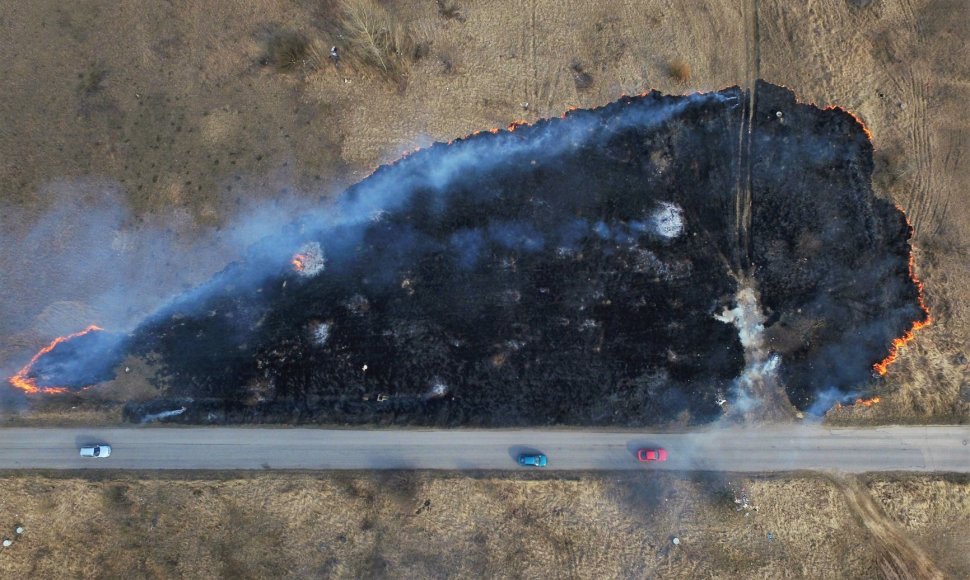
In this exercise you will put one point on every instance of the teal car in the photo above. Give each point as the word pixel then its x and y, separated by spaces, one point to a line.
pixel 533 460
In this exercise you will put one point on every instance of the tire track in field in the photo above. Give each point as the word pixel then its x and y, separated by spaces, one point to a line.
pixel 752 74
pixel 923 205
pixel 898 556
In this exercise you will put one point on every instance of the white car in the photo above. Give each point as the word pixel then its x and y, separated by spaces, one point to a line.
pixel 99 450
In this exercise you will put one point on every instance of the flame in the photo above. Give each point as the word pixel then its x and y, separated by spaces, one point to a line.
pixel 308 259
pixel 857 118
pixel 29 385
pixel 883 366
pixel 867 402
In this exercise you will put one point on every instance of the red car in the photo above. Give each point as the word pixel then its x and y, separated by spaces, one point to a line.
pixel 658 454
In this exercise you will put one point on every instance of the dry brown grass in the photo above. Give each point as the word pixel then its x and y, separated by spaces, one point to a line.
pixel 932 510
pixel 450 10
pixel 375 38
pixel 581 77
pixel 90 81
pixel 64 412
pixel 679 70
pixel 408 525
pixel 290 51
pixel 899 557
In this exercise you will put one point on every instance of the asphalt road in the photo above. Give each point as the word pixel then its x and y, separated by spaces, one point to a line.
pixel 778 448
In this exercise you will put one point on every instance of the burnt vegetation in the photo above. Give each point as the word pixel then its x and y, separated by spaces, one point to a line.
pixel 563 273
pixel 536 290
pixel 829 256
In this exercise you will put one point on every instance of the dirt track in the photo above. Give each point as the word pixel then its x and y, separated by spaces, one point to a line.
pixel 899 557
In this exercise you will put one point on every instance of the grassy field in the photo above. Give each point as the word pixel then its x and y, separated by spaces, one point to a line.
pixel 424 525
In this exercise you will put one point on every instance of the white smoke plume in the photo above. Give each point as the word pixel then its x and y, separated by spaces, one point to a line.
pixel 757 394
pixel 163 415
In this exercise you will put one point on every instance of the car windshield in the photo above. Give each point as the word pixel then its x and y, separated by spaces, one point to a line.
pixel 97 451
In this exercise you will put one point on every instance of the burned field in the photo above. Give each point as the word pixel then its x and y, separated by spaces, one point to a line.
pixel 568 272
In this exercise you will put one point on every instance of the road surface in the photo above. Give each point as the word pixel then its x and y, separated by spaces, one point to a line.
pixel 778 448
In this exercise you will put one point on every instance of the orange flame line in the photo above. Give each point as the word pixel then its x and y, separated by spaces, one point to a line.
pixel 867 402
pixel 854 116
pixel 28 385
pixel 883 366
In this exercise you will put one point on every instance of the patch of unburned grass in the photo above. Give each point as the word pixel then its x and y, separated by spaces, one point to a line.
pixel 289 51
pixel 679 70
pixel 419 524
pixel 376 39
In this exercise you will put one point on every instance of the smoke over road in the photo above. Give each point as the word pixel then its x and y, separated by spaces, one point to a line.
pixel 576 271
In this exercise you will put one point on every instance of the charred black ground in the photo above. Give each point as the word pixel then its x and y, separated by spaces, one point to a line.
pixel 831 260
pixel 567 272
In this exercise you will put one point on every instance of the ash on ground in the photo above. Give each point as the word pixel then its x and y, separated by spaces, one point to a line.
pixel 309 260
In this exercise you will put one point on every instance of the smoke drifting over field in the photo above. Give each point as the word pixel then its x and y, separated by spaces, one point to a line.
pixel 576 271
